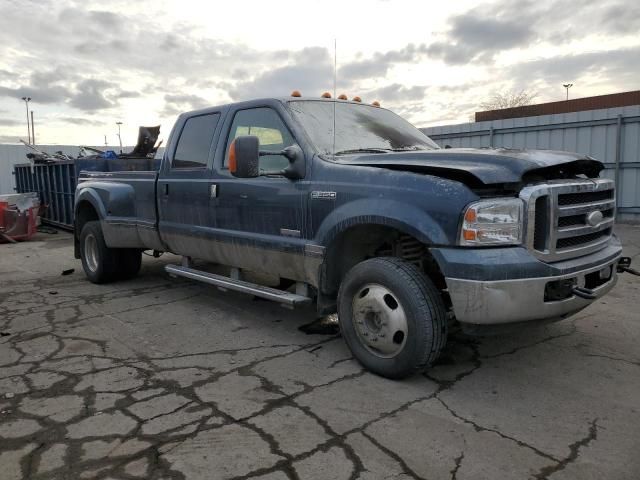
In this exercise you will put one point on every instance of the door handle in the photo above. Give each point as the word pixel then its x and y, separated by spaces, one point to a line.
pixel 166 189
pixel 213 191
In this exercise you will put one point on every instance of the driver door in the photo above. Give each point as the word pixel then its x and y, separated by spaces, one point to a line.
pixel 262 221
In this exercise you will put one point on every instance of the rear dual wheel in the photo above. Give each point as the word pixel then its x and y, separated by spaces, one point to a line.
pixel 391 316
pixel 102 264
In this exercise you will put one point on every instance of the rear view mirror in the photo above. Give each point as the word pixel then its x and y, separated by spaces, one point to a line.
pixel 244 155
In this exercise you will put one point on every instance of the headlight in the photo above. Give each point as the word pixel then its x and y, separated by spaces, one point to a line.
pixel 492 222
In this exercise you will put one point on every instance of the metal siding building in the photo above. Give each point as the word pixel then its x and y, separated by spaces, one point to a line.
pixel 610 135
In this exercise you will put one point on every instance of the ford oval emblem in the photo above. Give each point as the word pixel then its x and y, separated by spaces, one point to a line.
pixel 594 218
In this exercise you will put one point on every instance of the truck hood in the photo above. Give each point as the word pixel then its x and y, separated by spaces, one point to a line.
pixel 488 166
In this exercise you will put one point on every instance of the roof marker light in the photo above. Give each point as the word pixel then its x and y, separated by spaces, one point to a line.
pixel 342 96
pixel 375 103
pixel 356 99
pixel 326 95
pixel 296 93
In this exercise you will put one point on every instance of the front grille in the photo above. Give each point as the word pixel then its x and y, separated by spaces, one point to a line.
pixel 561 218
pixel 572 220
pixel 584 197
pixel 582 239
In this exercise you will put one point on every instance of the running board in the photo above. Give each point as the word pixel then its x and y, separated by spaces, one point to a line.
pixel 225 283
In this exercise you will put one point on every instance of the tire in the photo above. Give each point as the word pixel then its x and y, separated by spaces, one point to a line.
pixel 99 262
pixel 129 263
pixel 392 317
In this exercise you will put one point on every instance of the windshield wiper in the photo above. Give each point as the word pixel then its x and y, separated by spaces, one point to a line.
pixel 363 150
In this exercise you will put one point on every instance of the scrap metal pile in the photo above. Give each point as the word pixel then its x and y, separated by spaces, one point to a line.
pixel 146 147
pixel 51 178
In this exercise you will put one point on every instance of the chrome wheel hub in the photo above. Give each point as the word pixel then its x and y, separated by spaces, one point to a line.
pixel 91 252
pixel 379 320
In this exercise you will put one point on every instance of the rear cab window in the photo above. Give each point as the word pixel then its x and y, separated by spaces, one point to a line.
pixel 194 143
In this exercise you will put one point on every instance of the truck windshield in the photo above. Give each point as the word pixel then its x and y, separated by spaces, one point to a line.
pixel 359 128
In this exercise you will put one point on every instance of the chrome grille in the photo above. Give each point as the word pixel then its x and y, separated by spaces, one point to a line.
pixel 558 213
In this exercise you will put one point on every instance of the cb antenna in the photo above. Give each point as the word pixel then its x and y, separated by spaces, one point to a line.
pixel 335 80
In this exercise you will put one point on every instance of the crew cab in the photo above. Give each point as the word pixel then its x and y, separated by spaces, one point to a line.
pixel 360 213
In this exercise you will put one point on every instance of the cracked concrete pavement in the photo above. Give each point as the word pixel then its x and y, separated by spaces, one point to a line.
pixel 166 379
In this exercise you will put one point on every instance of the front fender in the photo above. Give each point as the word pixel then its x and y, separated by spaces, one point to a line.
pixel 403 216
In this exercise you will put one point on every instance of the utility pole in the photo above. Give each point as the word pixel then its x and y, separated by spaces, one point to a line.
pixel 26 103
pixel 105 140
pixel 33 129
pixel 567 86
pixel 119 137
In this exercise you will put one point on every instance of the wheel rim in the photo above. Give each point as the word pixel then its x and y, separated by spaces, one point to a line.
pixel 91 252
pixel 379 320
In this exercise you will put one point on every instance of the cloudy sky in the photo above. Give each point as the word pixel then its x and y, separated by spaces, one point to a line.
pixel 88 64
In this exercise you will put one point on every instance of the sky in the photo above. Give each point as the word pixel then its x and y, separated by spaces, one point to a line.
pixel 89 64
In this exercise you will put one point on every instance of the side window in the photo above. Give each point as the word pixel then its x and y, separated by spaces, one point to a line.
pixel 195 140
pixel 273 134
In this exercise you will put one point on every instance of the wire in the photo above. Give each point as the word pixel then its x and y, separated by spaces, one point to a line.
pixel 335 80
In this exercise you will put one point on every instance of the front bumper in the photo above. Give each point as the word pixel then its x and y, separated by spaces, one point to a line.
pixel 496 302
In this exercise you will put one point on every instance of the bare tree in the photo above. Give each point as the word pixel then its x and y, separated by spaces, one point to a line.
pixel 509 99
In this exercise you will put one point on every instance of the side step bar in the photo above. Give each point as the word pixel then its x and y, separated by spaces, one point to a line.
pixel 225 283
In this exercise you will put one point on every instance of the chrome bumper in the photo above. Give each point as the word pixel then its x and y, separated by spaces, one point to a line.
pixel 510 301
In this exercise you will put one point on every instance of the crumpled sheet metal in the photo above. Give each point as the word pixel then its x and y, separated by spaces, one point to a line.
pixel 18 216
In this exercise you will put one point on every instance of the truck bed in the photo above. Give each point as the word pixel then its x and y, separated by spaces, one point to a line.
pixel 129 201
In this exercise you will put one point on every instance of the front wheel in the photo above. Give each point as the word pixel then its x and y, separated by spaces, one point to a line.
pixel 391 316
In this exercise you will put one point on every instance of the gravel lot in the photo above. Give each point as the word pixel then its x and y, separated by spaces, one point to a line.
pixel 162 378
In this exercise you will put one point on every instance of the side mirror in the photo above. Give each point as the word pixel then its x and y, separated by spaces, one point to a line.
pixel 297 166
pixel 244 159
pixel 244 156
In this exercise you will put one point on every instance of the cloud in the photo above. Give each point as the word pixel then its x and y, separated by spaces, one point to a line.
pixel 310 71
pixel 9 122
pixel 621 65
pixel 81 121
pixel 128 94
pixel 178 103
pixel 92 94
pixel 397 93
pixel 478 35
pixel 59 86
pixel 483 32
pixel 44 94
pixel 380 63
pixel 623 17
pixel 79 59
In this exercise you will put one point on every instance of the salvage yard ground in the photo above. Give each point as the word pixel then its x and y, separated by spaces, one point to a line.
pixel 160 378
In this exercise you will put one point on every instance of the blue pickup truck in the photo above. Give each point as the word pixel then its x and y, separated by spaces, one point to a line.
pixel 359 212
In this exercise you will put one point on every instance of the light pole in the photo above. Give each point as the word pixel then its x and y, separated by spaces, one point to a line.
pixel 26 102
pixel 567 86
pixel 119 137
